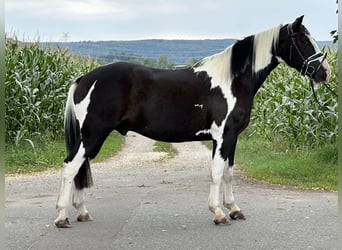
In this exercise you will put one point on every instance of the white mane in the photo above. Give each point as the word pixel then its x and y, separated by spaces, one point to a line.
pixel 218 65
pixel 263 44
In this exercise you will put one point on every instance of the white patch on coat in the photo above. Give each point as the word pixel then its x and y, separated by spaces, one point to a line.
pixel 81 109
pixel 198 106
pixel 218 68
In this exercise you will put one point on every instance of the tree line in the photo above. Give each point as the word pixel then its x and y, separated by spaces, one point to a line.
pixel 162 62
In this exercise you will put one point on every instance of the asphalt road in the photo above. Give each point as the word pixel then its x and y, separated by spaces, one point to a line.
pixel 142 200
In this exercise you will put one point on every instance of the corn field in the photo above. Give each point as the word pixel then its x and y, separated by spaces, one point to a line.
pixel 286 112
pixel 37 82
pixel 36 85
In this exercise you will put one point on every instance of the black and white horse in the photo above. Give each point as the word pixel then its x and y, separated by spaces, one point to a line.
pixel 210 101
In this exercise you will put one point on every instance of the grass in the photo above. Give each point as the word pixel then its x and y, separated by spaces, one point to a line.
pixel 111 146
pixel 314 168
pixel 47 154
pixel 165 147
pixel 23 158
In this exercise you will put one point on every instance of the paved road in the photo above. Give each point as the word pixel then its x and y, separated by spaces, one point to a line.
pixel 142 200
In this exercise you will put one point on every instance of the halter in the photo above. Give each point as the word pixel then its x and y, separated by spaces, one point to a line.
pixel 306 69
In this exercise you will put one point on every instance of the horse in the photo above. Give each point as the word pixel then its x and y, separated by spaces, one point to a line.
pixel 211 100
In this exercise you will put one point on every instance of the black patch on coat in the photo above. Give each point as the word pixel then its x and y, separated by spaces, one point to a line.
pixel 242 53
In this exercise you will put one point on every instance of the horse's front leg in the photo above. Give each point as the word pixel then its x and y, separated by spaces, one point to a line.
pixel 216 175
pixel 228 196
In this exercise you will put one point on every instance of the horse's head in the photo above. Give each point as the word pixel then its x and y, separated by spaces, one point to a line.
pixel 300 51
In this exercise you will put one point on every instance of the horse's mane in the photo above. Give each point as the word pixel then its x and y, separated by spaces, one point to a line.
pixel 264 44
pixel 255 50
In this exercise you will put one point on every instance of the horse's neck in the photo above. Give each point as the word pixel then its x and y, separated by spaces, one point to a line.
pixel 259 78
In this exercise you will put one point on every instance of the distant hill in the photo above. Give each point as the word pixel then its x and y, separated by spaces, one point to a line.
pixel 178 51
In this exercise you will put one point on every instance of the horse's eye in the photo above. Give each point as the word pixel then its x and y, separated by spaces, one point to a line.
pixel 306 41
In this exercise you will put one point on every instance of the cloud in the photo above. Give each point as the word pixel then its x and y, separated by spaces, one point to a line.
pixel 121 19
pixel 95 9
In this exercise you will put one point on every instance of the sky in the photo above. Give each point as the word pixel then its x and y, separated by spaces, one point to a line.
pixel 100 20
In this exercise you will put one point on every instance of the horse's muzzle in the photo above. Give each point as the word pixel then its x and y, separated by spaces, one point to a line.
pixel 322 75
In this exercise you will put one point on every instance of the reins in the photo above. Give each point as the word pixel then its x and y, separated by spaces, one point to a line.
pixel 314 93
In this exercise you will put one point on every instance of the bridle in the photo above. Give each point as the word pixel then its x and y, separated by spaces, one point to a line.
pixel 306 68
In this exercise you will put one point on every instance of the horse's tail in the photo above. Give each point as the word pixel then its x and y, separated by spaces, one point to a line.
pixel 72 132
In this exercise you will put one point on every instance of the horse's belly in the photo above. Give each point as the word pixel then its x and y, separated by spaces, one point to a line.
pixel 174 126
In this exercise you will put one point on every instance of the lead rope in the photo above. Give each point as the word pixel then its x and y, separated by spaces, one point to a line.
pixel 333 92
pixel 314 93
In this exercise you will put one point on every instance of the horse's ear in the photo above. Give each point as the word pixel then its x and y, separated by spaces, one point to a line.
pixel 297 23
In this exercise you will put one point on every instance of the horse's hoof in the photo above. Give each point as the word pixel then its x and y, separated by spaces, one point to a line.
pixel 63 223
pixel 237 215
pixel 84 218
pixel 224 221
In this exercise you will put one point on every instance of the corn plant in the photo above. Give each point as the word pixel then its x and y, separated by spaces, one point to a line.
pixel 36 86
pixel 286 112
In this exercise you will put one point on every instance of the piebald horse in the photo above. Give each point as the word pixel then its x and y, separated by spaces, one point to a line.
pixel 211 100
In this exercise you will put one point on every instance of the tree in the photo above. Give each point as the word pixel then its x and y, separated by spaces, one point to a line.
pixel 191 61
pixel 163 61
pixel 149 62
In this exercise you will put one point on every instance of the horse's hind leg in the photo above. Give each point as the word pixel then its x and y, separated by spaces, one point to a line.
pixel 70 170
pixel 93 140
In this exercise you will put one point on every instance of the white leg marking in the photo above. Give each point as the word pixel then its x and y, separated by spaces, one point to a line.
pixel 69 172
pixel 78 203
pixel 216 176
pixel 228 197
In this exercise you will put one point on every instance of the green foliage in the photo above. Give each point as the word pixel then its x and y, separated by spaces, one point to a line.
pixel 314 168
pixel 50 153
pixel 111 146
pixel 166 147
pixel 47 153
pixel 36 86
pixel 163 62
pixel 286 113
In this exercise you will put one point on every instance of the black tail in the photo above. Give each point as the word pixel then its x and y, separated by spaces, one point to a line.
pixel 72 131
